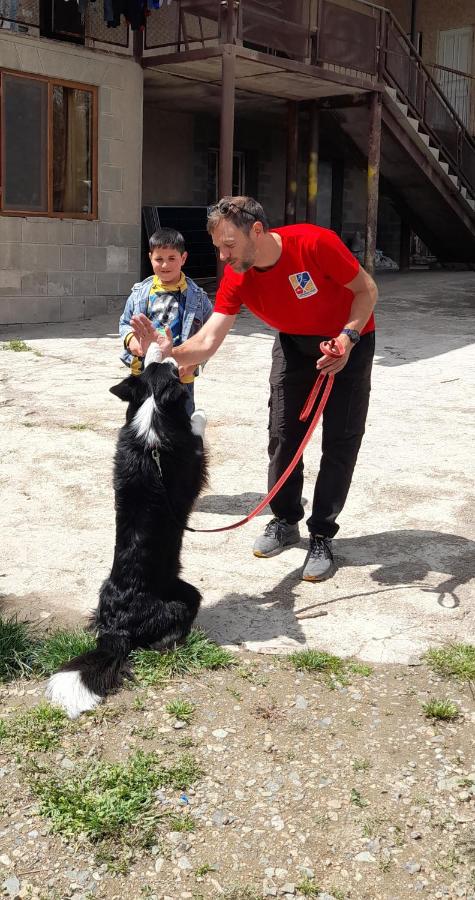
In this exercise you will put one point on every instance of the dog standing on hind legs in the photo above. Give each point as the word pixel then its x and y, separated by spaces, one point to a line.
pixel 159 471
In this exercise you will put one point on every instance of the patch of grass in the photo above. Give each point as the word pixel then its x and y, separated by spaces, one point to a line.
pixel 308 887
pixel 17 346
pixel 457 660
pixel 316 661
pixel 357 799
pixel 361 765
pixel 241 893
pixel 181 709
pixel 203 870
pixel 248 673
pixel 110 799
pixel 446 710
pixel 16 649
pixel 196 653
pixel 40 728
pixel 359 668
pixel 60 647
pixel 3 729
pixel 182 823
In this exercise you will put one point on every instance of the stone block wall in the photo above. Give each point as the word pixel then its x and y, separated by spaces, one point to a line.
pixel 54 270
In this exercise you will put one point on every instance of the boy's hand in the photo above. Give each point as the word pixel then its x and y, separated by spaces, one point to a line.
pixel 145 334
pixel 184 371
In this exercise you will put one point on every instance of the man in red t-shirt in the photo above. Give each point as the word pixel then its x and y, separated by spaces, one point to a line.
pixel 304 282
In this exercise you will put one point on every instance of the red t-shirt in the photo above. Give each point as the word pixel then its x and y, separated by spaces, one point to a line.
pixel 303 293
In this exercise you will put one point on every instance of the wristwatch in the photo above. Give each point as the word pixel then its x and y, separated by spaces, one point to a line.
pixel 353 335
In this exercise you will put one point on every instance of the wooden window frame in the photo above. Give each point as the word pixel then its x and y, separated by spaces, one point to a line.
pixel 49 213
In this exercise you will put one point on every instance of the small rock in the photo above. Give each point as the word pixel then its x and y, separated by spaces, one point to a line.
pixel 67 763
pixel 364 856
pixel 184 863
pixel 5 860
pixel 12 886
pixel 301 702
pixel 413 868
pixel 220 817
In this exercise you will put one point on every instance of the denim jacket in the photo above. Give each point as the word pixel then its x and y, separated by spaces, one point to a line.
pixel 198 309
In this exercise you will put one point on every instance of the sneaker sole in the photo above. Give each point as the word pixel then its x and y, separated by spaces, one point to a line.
pixel 323 577
pixel 261 555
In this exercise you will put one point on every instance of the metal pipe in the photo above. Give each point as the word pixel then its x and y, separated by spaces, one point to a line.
pixel 374 156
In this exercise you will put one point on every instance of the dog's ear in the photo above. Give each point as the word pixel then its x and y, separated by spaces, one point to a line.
pixel 131 389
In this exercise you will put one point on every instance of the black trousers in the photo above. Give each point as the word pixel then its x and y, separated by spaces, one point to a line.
pixel 292 375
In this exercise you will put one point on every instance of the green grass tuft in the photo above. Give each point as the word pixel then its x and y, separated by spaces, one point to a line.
pixel 446 710
pixel 196 653
pixel 308 887
pixel 40 728
pixel 359 668
pixel 60 647
pixel 317 661
pixel 454 659
pixel 181 709
pixel 16 649
pixel 106 799
pixel 17 346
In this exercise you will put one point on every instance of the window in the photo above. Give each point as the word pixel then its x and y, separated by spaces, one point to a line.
pixel 62 19
pixel 48 133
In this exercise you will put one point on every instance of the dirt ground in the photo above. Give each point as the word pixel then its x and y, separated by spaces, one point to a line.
pixel 307 783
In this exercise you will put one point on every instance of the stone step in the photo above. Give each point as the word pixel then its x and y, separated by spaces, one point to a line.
pixel 425 138
pixel 391 91
pixel 413 122
pixel 435 152
pixel 444 166
pixel 402 107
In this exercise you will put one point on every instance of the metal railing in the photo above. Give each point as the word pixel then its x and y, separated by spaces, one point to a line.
pixel 24 17
pixel 403 69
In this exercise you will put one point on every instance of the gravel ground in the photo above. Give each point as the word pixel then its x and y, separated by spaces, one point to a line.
pixel 309 788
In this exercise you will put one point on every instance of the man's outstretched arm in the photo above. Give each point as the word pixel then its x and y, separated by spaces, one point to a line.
pixel 196 350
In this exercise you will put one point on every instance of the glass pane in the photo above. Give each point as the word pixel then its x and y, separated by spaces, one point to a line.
pixel 25 131
pixel 72 150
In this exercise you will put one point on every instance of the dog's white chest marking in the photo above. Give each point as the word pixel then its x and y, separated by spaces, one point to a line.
pixel 142 422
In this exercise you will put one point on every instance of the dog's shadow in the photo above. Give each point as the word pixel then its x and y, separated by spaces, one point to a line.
pixel 229 504
pixel 403 558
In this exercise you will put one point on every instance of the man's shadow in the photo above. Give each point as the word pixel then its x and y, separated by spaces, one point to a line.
pixel 403 558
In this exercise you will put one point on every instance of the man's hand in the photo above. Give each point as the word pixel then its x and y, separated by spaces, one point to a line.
pixel 145 334
pixel 330 365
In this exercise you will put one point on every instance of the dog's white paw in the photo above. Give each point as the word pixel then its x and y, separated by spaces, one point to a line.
pixel 198 422
pixel 67 690
pixel 153 354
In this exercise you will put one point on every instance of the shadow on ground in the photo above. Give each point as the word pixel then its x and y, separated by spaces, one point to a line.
pixel 403 558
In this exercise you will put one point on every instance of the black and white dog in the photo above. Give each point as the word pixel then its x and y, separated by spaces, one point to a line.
pixel 159 471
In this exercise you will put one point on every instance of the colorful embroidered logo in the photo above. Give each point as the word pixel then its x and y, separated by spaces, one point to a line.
pixel 303 284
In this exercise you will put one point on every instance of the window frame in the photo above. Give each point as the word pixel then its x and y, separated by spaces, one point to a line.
pixel 52 82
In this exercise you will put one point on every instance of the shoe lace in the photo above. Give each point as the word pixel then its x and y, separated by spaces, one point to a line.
pixel 275 528
pixel 320 548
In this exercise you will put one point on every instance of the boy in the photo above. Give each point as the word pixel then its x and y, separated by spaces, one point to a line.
pixel 167 298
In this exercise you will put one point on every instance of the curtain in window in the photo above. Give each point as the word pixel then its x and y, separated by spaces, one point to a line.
pixel 72 163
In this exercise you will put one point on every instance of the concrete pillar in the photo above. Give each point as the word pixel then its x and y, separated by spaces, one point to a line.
pixel 292 158
pixel 312 165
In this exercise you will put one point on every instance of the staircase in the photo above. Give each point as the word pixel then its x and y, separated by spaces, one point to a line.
pixel 427 154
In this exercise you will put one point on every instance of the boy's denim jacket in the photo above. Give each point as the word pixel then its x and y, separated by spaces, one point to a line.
pixel 198 309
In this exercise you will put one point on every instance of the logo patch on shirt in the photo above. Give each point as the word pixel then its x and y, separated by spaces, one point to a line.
pixel 303 284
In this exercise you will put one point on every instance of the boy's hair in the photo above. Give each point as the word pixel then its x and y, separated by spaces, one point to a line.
pixel 167 237
pixel 241 211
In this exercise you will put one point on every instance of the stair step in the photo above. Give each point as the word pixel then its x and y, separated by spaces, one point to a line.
pixel 464 192
pixel 435 152
pixel 402 107
pixel 453 179
pixel 471 203
pixel 413 122
pixel 425 138
pixel 392 92
pixel 444 166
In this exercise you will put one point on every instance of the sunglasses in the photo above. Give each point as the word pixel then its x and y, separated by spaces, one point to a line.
pixel 223 207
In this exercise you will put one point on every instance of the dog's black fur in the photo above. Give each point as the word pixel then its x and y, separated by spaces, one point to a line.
pixel 143 603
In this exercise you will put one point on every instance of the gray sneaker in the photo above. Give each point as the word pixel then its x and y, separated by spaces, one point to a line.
pixel 278 535
pixel 319 563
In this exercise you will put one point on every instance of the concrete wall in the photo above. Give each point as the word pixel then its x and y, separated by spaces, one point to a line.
pixel 54 270
pixel 167 175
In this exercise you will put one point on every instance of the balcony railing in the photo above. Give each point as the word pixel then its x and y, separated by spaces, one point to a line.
pixel 60 19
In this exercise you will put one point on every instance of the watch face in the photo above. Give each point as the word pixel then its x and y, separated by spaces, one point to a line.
pixel 353 335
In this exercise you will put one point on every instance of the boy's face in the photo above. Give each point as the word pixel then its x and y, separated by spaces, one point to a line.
pixel 167 263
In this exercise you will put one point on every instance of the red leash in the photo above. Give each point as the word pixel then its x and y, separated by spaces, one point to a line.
pixel 331 348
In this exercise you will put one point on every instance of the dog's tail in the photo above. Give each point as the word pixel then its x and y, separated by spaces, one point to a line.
pixel 83 682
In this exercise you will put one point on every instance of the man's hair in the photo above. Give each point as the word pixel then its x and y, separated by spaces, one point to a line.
pixel 241 211
pixel 169 238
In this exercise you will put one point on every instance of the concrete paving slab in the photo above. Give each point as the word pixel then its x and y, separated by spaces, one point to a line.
pixel 405 551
